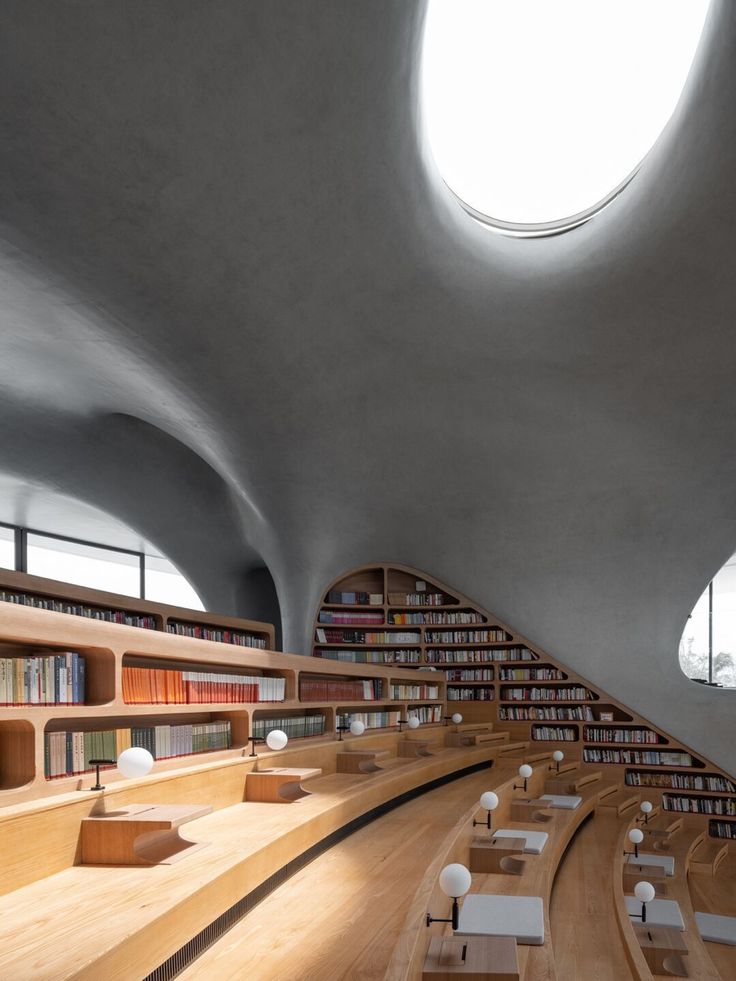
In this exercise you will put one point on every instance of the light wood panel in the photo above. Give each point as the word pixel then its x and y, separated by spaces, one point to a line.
pixel 247 844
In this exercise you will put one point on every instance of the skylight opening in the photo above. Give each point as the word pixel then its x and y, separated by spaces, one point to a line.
pixel 539 112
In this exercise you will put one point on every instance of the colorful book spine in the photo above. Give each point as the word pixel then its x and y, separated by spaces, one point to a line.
pixel 165 686
pixel 335 689
pixel 46 679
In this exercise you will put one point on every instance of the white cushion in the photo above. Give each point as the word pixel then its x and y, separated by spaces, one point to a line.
pixel 534 841
pixel 660 912
pixel 566 801
pixel 717 929
pixel 503 916
pixel 665 862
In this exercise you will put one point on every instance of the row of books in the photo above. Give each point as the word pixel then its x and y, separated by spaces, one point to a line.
pixel 164 686
pixel 78 609
pixel 370 657
pixel 632 757
pixel 680 781
pixel 490 636
pixel 420 599
pixel 556 713
pixel 46 679
pixel 371 720
pixel 469 674
pixel 334 690
pixel 350 598
pixel 554 734
pixel 602 734
pixel 366 637
pixel 530 674
pixel 350 616
pixel 570 694
pixel 401 691
pixel 722 829
pixel 201 632
pixel 295 726
pixel 427 713
pixel 468 656
pixel 699 805
pixel 459 616
pixel 475 694
pixel 69 753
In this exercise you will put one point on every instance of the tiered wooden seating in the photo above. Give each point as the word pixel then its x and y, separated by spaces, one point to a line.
pixel 248 842
pixel 139 834
pixel 279 785
pixel 697 959
pixel 355 761
pixel 708 856
pixel 620 801
pixel 536 878
pixel 572 781
pixel 715 893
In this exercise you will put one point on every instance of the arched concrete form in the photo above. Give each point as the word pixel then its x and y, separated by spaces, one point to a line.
pixel 229 227
pixel 149 481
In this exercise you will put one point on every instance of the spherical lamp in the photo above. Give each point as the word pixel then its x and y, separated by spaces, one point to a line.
pixel 276 739
pixel 457 718
pixel 135 762
pixel 645 893
pixel 646 807
pixel 413 722
pixel 489 802
pixel 525 771
pixel 636 837
pixel 357 728
pixel 558 756
pixel 455 881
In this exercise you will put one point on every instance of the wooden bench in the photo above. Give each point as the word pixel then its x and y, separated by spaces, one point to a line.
pixel 413 748
pixel 620 801
pixel 280 785
pixel 571 783
pixel 140 834
pixel 708 856
pixel 357 761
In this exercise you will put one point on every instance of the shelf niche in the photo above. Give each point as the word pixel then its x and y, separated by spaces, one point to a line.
pixel 99 672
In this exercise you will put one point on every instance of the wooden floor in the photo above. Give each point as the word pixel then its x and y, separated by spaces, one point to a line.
pixel 717 894
pixel 586 942
pixel 339 918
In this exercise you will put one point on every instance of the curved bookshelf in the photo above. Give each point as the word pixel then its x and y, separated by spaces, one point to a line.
pixel 493 674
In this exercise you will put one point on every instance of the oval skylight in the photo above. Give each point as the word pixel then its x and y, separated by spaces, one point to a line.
pixel 539 111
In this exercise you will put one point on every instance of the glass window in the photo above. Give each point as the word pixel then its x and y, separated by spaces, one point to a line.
pixel 702 652
pixel 538 111
pixel 165 584
pixel 84 565
pixel 7 547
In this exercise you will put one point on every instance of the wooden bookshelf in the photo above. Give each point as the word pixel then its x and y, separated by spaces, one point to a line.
pixel 525 691
pixel 280 694
pixel 129 611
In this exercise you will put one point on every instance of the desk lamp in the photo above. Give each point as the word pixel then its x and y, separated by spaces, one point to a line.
pixel 455 880
pixel 636 837
pixel 646 807
pixel 489 802
pixel 525 771
pixel 276 739
pixel 645 893
pixel 558 756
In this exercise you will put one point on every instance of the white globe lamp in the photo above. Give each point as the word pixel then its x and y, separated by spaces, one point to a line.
pixel 489 802
pixel 276 739
pixel 135 762
pixel 357 728
pixel 455 880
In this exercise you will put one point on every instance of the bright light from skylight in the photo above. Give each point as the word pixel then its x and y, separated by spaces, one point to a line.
pixel 537 110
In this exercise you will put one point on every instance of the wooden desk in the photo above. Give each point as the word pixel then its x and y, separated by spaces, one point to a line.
pixel 486 853
pixel 140 834
pixel 412 748
pixel 484 958
pixel 526 810
pixel 280 785
pixel 356 761
pixel 657 942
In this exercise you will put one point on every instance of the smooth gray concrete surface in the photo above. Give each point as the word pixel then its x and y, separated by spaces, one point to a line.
pixel 220 219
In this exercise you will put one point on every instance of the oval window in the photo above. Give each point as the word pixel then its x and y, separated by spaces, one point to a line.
pixel 708 644
pixel 538 112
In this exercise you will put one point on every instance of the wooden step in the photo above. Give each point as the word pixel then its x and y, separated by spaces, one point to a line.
pixel 571 783
pixel 664 825
pixel 708 856
pixel 619 801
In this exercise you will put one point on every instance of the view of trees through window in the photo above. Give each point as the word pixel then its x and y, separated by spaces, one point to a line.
pixel 708 644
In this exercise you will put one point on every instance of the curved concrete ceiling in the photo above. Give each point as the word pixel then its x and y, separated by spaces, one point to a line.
pixel 220 219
